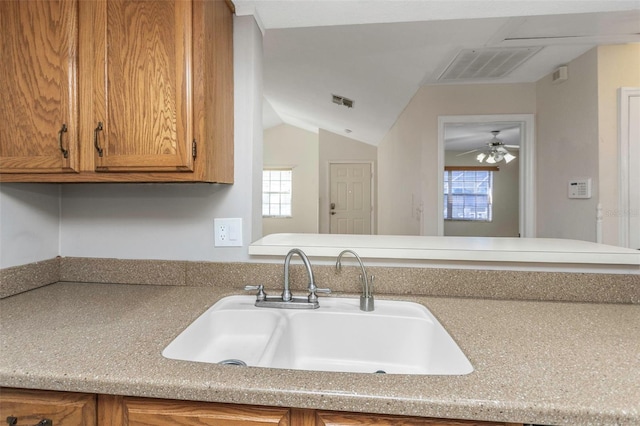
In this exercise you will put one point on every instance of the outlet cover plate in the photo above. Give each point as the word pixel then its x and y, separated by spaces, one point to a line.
pixel 228 232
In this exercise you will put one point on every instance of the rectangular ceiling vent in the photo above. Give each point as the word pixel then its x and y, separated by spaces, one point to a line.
pixel 341 100
pixel 486 63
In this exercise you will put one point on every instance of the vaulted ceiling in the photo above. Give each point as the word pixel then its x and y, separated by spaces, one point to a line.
pixel 378 53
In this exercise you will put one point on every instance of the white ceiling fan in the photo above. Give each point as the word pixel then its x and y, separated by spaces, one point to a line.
pixel 495 151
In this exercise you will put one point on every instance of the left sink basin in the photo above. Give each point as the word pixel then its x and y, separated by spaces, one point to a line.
pixel 232 329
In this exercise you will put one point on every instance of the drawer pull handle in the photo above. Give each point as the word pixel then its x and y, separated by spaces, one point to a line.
pixel 96 142
pixel 65 152
pixel 11 420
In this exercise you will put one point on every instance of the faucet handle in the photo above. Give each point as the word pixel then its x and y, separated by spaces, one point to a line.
pixel 312 297
pixel 260 295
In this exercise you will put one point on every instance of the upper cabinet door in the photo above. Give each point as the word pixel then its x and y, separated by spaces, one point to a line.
pixel 38 88
pixel 143 86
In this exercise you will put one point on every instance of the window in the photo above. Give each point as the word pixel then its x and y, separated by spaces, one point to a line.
pixel 467 193
pixel 276 193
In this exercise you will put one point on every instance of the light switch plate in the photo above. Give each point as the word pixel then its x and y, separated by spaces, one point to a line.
pixel 228 232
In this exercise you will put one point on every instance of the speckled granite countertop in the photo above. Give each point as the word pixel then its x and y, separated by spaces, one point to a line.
pixel 542 362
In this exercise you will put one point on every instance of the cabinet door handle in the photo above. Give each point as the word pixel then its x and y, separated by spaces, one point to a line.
pixel 96 142
pixel 65 152
pixel 11 420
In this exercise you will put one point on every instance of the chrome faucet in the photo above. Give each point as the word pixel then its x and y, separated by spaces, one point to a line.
pixel 366 298
pixel 286 293
pixel 287 300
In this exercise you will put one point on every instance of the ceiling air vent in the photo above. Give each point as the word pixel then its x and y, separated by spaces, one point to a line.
pixel 487 63
pixel 341 100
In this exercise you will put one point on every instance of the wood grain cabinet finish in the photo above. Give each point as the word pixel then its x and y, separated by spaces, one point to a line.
pixel 65 408
pixel 29 407
pixel 128 411
pixel 145 88
pixel 328 418
pixel 39 89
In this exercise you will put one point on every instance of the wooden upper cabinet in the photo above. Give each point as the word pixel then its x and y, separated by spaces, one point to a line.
pixel 144 101
pixel 143 87
pixel 38 88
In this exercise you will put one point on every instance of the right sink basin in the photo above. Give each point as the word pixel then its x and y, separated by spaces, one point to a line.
pixel 396 338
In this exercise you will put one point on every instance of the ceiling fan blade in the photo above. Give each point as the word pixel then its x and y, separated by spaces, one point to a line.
pixel 468 152
pixel 512 146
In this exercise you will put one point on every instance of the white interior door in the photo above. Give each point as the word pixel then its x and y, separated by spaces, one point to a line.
pixel 350 198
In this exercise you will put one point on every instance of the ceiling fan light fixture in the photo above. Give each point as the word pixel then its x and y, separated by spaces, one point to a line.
pixel 508 157
pixel 480 157
pixel 491 159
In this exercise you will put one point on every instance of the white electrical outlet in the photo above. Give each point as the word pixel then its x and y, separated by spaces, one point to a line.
pixel 228 232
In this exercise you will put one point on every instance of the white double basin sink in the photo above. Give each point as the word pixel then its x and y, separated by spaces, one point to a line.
pixel 396 338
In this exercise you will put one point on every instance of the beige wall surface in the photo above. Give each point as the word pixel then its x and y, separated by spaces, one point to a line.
pixel 576 137
pixel 577 127
pixel 505 192
pixel 567 148
pixel 400 174
pixel 338 148
pixel 414 136
pixel 291 147
pixel 618 66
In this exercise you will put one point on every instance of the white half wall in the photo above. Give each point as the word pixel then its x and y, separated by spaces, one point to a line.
pixel 175 221
pixel 29 223
pixel 291 147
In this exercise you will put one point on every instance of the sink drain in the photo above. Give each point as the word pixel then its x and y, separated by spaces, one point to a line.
pixel 233 362
pixel 380 372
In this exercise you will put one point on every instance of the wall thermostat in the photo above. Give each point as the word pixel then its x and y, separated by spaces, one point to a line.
pixel 580 188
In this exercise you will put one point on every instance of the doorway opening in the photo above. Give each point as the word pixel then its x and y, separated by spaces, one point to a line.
pixel 520 124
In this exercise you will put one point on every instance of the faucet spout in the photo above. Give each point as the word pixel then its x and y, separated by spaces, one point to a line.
pixel 366 299
pixel 286 293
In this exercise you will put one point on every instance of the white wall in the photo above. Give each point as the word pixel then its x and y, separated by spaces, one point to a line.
pixel 505 192
pixel 175 221
pixel 408 154
pixel 289 146
pixel 29 223
pixel 334 147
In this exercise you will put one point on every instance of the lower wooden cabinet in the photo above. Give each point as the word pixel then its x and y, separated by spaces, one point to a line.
pixel 330 418
pixel 129 411
pixel 33 407
pixel 29 407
